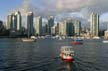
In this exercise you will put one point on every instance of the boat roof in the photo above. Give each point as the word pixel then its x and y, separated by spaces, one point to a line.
pixel 67 49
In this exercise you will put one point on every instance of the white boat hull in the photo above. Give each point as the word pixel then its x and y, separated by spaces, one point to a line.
pixel 105 41
pixel 28 40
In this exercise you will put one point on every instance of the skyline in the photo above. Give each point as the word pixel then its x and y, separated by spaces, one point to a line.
pixel 19 25
pixel 56 8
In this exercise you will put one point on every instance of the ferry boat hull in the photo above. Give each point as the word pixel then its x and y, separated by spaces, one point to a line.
pixel 67 59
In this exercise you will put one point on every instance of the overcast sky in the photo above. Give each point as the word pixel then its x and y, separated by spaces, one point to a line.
pixel 58 8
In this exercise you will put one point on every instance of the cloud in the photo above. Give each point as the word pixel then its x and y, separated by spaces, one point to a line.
pixel 27 6
pixel 76 5
pixel 54 7
pixel 71 5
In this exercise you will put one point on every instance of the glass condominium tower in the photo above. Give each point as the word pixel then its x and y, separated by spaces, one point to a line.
pixel 94 25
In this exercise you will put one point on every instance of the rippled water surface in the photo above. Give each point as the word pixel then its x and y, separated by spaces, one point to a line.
pixel 43 55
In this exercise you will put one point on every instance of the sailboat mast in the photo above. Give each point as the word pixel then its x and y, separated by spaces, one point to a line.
pixel 28 30
pixel 107 27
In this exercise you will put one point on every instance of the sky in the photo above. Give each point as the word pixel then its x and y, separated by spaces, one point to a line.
pixel 6 6
pixel 58 8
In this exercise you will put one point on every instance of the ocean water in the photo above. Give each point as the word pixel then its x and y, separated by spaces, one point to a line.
pixel 43 55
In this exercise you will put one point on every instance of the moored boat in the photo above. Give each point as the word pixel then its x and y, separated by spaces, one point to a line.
pixel 105 41
pixel 96 37
pixel 28 40
pixel 60 38
pixel 77 41
pixel 33 37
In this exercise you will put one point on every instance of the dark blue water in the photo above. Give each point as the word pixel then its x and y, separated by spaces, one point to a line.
pixel 43 55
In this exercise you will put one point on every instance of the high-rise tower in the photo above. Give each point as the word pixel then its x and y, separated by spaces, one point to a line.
pixel 30 27
pixel 18 16
pixel 38 25
pixel 94 26
pixel 77 26
pixel 50 24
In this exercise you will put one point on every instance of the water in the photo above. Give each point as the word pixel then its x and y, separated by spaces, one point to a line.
pixel 43 55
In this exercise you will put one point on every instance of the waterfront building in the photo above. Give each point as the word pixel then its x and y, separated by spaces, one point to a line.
pixel 50 24
pixel 24 25
pixel 30 28
pixel 1 23
pixel 57 29
pixel 14 21
pixel 106 33
pixel 77 28
pixel 66 28
pixel 18 16
pixel 94 26
pixel 53 30
pixel 13 25
pixel 1 27
pixel 9 21
pixel 38 25
pixel 62 30
pixel 45 29
pixel 70 28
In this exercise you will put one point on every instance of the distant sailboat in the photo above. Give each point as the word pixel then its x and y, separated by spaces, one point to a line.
pixel 29 39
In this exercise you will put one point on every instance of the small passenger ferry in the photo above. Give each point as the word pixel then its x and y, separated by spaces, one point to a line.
pixel 67 53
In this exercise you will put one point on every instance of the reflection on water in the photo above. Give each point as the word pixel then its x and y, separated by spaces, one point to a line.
pixel 69 66
pixel 43 55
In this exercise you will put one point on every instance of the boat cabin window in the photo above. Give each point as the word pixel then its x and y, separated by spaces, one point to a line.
pixel 70 54
pixel 67 49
